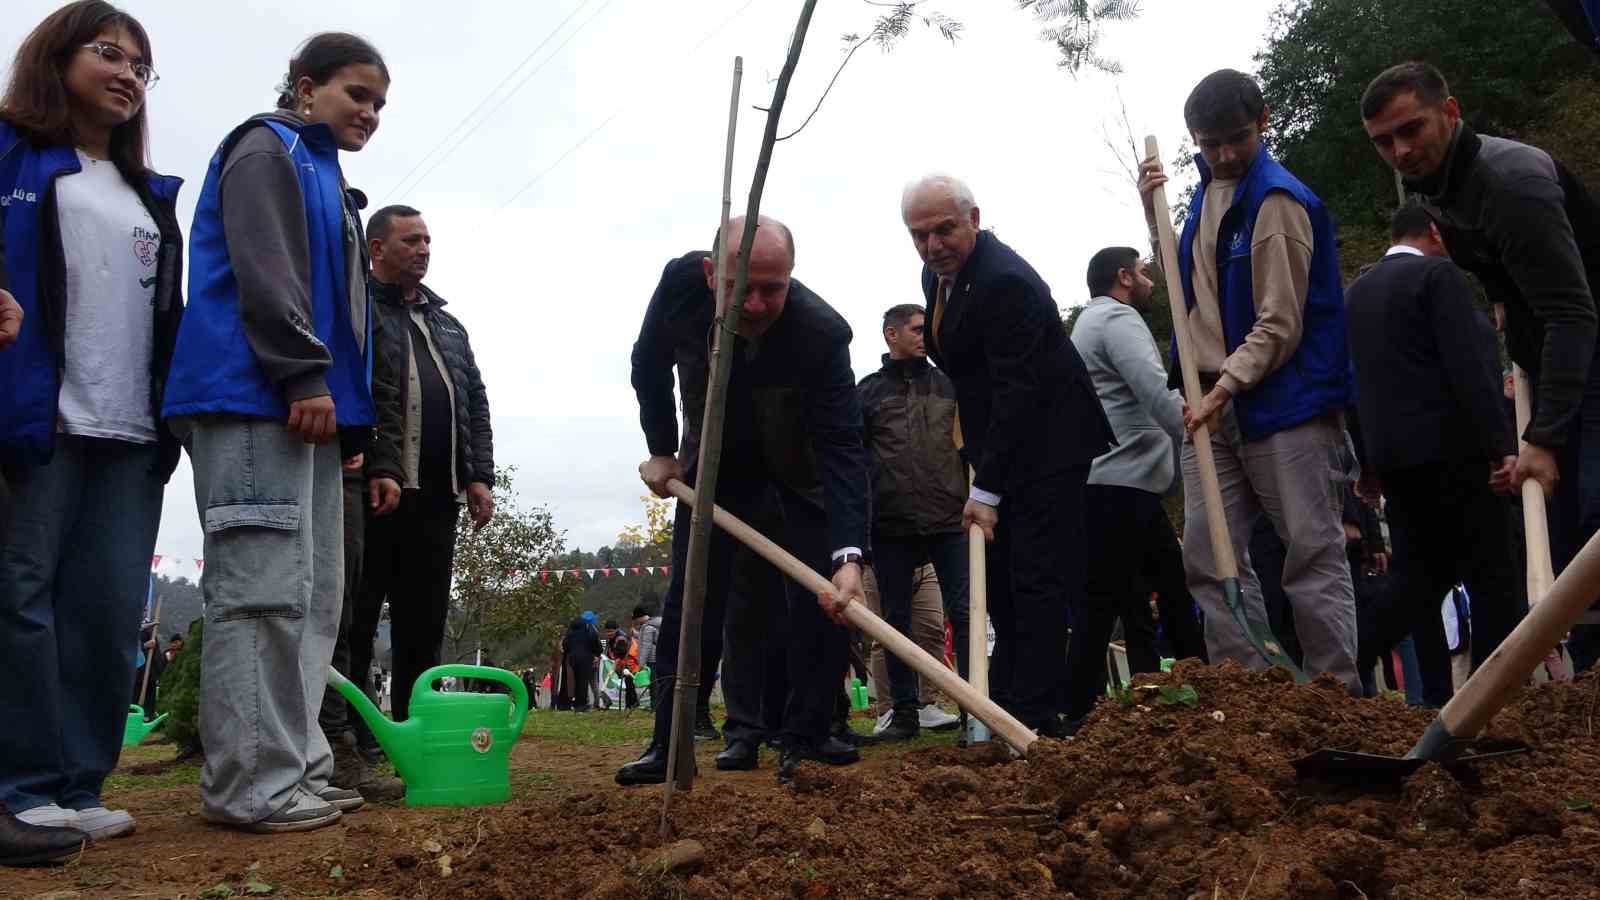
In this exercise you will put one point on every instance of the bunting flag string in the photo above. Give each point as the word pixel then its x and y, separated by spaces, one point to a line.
pixel 544 575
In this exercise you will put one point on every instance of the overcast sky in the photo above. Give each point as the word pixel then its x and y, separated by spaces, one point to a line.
pixel 553 218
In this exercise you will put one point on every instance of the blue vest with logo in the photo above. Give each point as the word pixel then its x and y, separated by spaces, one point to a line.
pixel 30 371
pixel 214 371
pixel 1318 377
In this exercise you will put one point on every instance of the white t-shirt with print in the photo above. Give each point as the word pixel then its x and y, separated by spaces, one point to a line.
pixel 109 244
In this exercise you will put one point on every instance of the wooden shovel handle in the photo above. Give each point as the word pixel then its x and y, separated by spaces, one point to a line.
pixel 1508 667
pixel 1211 492
pixel 977 611
pixel 999 721
pixel 1535 527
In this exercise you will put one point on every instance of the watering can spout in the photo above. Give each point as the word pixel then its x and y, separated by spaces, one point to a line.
pixel 386 730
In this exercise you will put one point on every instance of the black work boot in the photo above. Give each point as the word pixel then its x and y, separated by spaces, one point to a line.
pixel 22 844
pixel 903 725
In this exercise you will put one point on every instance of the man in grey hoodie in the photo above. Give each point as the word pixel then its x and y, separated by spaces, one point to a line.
pixel 1132 548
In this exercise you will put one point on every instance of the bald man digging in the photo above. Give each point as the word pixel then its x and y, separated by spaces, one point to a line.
pixel 793 437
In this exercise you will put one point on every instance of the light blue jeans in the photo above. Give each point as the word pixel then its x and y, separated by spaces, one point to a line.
pixel 272 510
pixel 74 573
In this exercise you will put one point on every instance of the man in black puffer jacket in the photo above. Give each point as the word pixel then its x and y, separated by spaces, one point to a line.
pixel 433 450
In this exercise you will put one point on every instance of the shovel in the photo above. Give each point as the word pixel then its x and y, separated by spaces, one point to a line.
pixel 1216 519
pixel 1001 723
pixel 1448 740
pixel 1536 531
pixel 977 630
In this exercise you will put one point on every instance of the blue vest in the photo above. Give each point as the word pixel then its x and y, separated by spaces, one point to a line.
pixel 1318 377
pixel 30 371
pixel 214 371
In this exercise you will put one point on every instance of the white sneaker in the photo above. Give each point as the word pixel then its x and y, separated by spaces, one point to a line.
pixel 50 816
pixel 932 718
pixel 883 722
pixel 104 824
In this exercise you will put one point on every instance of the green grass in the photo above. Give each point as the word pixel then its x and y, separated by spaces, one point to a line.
pixel 601 727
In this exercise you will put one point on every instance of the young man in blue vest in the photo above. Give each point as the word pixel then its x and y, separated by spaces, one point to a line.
pixel 1260 276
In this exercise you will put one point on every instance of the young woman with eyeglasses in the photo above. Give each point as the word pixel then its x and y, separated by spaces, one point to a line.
pixel 90 249
pixel 270 391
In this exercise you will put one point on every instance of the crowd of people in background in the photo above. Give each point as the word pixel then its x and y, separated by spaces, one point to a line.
pixel 337 425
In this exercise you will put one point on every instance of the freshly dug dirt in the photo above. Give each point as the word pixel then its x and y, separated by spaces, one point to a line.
pixel 1152 800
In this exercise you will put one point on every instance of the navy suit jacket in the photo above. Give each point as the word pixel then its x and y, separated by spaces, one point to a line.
pixel 1028 407
pixel 792 414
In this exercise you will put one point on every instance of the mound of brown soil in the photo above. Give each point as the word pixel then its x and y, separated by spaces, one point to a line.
pixel 1154 799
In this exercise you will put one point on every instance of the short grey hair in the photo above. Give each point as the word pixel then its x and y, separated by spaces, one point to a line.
pixel 955 187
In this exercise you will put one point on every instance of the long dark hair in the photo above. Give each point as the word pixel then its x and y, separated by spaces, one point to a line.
pixel 36 101
pixel 322 56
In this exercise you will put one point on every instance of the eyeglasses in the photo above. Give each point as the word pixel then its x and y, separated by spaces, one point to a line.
pixel 118 59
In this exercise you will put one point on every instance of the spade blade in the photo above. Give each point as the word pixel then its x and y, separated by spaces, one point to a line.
pixel 1353 766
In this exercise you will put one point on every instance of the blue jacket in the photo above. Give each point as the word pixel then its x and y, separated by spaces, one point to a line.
pixel 217 368
pixel 33 269
pixel 1318 378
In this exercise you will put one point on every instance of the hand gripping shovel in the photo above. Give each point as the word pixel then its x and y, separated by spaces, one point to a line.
pixel 1216 519
pixel 1449 738
pixel 1001 723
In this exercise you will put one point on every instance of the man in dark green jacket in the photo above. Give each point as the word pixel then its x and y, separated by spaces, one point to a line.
pixel 919 486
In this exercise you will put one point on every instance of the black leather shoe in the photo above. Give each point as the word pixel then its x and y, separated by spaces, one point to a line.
pixel 1058 728
pixel 741 756
pixel 844 734
pixel 651 768
pixel 835 752
pixel 789 760
pixel 903 726
pixel 22 844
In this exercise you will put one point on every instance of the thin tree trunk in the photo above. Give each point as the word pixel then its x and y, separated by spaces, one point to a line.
pixel 680 760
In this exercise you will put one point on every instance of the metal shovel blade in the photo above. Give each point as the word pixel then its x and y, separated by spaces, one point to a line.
pixel 1328 764
pixel 1268 647
pixel 1350 766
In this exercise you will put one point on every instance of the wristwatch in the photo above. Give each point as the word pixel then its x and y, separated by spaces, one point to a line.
pixel 847 558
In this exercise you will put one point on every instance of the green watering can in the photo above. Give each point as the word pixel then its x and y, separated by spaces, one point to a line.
pixel 136 728
pixel 455 748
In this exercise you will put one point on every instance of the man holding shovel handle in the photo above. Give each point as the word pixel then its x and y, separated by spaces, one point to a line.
pixel 792 432
pixel 1257 272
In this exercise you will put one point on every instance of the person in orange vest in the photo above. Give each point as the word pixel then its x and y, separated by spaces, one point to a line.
pixel 624 653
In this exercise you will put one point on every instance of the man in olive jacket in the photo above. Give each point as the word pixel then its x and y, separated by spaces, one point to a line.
pixel 919 486
pixel 432 452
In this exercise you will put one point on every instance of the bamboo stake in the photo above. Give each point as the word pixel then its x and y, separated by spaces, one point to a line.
pixel 686 689
pixel 1002 723
pixel 680 754
pixel 149 659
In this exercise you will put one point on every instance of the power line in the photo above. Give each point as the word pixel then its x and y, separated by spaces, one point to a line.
pixel 490 96
pixel 598 128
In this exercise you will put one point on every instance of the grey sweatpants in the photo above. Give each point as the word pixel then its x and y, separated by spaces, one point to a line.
pixel 1295 478
pixel 272 510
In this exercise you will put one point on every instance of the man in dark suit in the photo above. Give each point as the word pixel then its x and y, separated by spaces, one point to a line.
pixel 1437 445
pixel 1032 425
pixel 792 433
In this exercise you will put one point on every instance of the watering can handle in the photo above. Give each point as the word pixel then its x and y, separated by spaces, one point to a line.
pixel 519 691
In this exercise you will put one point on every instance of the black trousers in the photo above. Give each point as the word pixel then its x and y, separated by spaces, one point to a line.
pixel 337 716
pixel 895 562
pixel 755 677
pixel 1447 527
pixel 408 558
pixel 1132 551
pixel 812 646
pixel 1036 572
